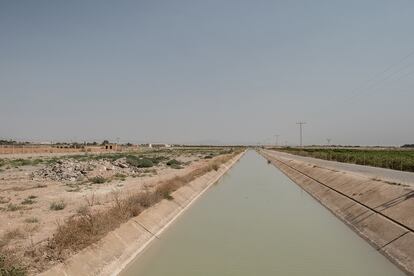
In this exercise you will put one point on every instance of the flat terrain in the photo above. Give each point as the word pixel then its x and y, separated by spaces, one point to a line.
pixel 402 177
pixel 388 158
pixel 40 193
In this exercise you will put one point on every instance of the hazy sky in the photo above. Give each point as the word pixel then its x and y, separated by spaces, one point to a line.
pixel 205 71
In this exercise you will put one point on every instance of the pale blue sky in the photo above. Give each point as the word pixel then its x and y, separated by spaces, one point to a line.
pixel 204 71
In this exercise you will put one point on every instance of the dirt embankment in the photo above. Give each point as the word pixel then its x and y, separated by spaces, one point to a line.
pixel 380 212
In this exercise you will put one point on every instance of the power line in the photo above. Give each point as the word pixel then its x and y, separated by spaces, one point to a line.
pixel 277 139
pixel 379 78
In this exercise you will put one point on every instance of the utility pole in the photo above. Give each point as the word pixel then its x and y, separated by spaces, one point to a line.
pixel 277 139
pixel 300 127
pixel 329 141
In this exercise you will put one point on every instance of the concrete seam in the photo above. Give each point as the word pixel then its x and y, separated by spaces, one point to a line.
pixel 393 240
pixel 146 229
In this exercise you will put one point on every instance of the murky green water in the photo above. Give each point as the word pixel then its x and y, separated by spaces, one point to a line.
pixel 256 221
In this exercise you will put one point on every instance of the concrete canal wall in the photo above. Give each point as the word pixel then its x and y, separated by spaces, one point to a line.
pixel 380 212
pixel 116 250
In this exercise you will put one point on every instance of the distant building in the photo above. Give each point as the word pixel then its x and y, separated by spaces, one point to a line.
pixel 110 146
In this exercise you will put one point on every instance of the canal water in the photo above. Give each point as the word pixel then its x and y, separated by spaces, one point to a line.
pixel 256 221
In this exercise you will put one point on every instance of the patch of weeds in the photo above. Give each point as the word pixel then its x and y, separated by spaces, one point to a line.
pixel 4 200
pixel 7 269
pixel 41 185
pixel 51 161
pixel 28 201
pixel 83 210
pixel 98 179
pixel 57 205
pixel 72 189
pixel 175 164
pixel 120 176
pixel 13 207
pixel 31 220
pixel 215 166
pixel 32 197
pixel 139 162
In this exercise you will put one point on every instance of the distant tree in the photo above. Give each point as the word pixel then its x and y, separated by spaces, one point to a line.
pixel 408 146
pixel 105 142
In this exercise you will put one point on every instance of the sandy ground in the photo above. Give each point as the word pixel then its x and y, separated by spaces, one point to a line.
pixel 34 221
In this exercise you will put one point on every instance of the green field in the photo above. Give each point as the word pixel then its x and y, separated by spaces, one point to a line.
pixel 402 160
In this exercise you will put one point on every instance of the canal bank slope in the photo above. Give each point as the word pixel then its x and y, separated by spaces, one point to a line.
pixel 380 212
pixel 111 254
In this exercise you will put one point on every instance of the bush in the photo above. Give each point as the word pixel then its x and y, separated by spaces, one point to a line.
pixel 57 205
pixel 98 180
pixel 175 164
pixel 28 201
pixel 139 162
pixel 10 270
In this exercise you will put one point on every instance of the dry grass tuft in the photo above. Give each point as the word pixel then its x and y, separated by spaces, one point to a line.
pixel 57 205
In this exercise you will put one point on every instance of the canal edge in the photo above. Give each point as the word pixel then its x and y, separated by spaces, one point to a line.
pixel 112 254
pixel 391 237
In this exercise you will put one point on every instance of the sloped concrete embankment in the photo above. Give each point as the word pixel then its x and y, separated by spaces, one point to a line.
pixel 382 213
pixel 111 254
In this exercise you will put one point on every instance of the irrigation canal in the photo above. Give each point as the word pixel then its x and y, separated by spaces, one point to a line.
pixel 256 221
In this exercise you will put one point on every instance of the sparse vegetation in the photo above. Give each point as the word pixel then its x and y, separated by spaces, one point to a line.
pixel 31 220
pixel 28 201
pixel 4 200
pixel 57 205
pixel 98 180
pixel 139 162
pixel 14 207
pixel 385 158
pixel 8 269
pixel 88 227
pixel 175 164
pixel 82 226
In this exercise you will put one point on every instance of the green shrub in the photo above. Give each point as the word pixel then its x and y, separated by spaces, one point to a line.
pixel 139 162
pixel 175 164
